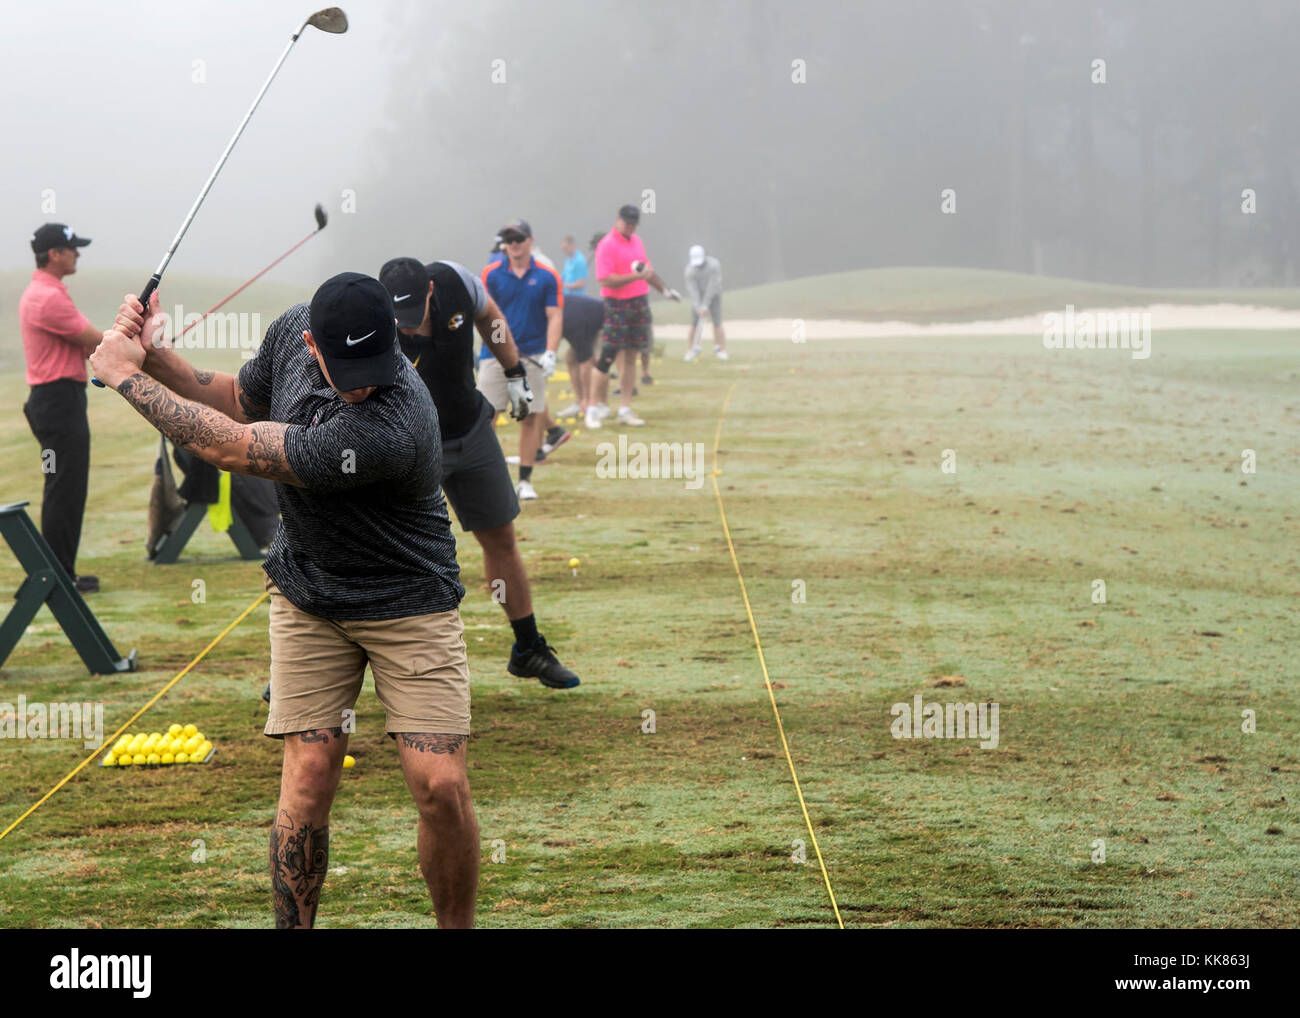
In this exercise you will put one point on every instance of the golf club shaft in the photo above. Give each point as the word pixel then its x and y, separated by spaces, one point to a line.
pixel 156 278
pixel 244 286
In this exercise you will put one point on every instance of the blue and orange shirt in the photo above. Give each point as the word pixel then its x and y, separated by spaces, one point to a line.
pixel 524 300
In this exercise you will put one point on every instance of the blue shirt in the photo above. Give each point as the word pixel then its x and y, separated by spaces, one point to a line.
pixel 523 300
pixel 575 268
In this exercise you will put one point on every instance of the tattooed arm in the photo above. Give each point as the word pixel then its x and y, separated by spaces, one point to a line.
pixel 256 449
pixel 211 388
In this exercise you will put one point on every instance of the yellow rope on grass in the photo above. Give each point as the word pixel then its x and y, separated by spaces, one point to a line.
pixel 767 681
pixel 134 717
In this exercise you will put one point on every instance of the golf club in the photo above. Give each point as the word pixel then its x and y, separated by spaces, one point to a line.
pixel 321 220
pixel 331 20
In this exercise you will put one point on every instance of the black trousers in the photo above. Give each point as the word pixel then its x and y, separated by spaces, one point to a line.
pixel 56 412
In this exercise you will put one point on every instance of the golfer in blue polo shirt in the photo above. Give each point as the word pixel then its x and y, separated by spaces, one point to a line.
pixel 532 298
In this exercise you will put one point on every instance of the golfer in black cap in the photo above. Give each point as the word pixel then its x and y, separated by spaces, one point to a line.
pixel 57 339
pixel 362 570
pixel 625 276
pixel 439 305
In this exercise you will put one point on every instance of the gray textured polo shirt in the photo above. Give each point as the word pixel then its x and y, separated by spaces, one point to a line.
pixel 368 537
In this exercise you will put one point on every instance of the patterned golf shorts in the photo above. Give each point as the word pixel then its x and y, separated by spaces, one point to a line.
pixel 627 324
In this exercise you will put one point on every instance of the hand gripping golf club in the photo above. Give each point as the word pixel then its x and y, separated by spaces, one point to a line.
pixel 331 20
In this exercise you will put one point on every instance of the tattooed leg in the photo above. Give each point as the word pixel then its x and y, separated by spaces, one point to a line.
pixel 313 763
pixel 447 842
pixel 300 856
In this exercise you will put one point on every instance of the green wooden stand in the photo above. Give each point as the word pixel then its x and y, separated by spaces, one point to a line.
pixel 171 545
pixel 48 584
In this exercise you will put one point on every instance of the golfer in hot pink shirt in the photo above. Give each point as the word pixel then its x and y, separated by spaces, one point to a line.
pixel 627 313
pixel 57 339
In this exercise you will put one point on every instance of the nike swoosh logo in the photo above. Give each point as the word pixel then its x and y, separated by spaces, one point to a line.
pixel 398 300
pixel 353 342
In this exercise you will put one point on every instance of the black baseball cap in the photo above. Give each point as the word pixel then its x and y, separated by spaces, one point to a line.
pixel 55 235
pixel 629 214
pixel 407 283
pixel 515 226
pixel 352 324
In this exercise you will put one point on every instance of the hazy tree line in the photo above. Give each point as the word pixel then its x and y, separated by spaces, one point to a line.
pixel 698 103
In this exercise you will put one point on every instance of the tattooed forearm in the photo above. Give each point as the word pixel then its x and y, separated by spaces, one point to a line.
pixel 300 855
pixel 202 377
pixel 266 453
pixel 432 743
pixel 188 424
pixel 321 735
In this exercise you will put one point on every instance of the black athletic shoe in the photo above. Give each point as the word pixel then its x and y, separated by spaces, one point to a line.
pixel 555 438
pixel 87 584
pixel 266 693
pixel 647 380
pixel 539 457
pixel 540 663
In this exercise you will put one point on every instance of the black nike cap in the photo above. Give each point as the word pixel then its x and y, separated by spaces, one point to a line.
pixel 407 283
pixel 352 324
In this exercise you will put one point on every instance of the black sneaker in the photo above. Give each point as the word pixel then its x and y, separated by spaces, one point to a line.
pixel 540 663
pixel 647 380
pixel 87 584
pixel 266 693
pixel 555 438
pixel 539 457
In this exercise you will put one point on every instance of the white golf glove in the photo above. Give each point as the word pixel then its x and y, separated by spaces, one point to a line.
pixel 672 294
pixel 547 362
pixel 518 393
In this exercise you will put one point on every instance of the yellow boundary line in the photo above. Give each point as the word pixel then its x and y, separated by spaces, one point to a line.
pixel 134 717
pixel 767 681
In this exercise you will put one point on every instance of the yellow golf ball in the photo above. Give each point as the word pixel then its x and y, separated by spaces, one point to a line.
pixel 182 758
pixel 139 759
pixel 573 563
pixel 190 730
pixel 167 758
pixel 136 742
pixel 174 730
pixel 153 758
pixel 110 760
pixel 204 750
pixel 349 761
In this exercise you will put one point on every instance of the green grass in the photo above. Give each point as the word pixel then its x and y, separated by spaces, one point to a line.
pixel 954 295
pixel 1118 721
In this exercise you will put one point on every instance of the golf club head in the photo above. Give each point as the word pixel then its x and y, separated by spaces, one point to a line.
pixel 321 218
pixel 331 19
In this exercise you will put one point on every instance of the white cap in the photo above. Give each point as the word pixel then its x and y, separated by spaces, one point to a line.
pixel 697 255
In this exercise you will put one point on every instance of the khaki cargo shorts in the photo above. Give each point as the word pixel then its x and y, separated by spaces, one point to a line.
pixel 492 383
pixel 419 664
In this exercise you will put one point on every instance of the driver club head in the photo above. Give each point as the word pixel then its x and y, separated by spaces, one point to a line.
pixel 321 218
pixel 331 19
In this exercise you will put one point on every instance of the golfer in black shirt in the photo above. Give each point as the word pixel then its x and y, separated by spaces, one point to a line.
pixel 438 307
pixel 362 571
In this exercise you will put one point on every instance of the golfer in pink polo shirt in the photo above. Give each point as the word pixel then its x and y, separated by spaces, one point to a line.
pixel 57 339
pixel 627 312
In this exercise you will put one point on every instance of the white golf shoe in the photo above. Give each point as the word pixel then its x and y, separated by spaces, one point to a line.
pixel 592 418
pixel 628 419
pixel 524 491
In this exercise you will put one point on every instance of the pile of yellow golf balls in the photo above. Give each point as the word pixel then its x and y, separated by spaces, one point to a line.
pixel 178 745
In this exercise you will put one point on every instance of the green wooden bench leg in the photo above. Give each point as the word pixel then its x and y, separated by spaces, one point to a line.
pixel 48 584
pixel 174 543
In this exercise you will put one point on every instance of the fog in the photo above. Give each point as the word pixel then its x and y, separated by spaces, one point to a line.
pixel 1123 141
